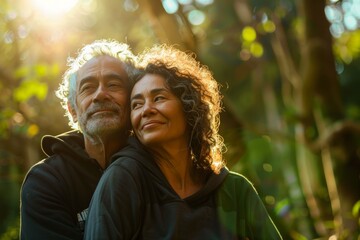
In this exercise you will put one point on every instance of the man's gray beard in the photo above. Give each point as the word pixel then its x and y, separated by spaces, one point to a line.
pixel 101 126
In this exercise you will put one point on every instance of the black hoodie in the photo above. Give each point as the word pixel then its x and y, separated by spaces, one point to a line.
pixel 56 192
pixel 135 201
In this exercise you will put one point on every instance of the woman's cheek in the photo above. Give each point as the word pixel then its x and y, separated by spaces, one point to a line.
pixel 134 119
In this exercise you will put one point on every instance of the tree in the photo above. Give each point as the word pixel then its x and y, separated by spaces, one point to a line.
pixel 286 124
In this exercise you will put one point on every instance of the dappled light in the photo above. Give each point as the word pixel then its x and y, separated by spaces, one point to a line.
pixel 344 16
pixel 289 74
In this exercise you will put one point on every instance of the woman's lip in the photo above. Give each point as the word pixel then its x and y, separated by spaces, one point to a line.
pixel 150 124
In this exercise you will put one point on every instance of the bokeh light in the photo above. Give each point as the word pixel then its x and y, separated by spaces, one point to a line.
pixel 269 26
pixel 343 16
pixel 185 2
pixel 170 6
pixel 196 17
pixel 256 49
pixel 205 2
pixel 249 34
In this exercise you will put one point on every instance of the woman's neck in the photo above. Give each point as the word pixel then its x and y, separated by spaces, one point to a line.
pixel 177 166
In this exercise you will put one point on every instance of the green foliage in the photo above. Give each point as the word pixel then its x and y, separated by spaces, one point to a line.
pixel 347 47
pixel 30 88
pixel 34 81
pixel 9 190
pixel 237 40
pixel 356 210
pixel 12 232
pixel 5 118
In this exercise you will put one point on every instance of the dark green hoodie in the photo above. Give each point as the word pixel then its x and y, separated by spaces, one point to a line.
pixel 134 201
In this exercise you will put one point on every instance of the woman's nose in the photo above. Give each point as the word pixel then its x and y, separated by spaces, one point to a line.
pixel 148 109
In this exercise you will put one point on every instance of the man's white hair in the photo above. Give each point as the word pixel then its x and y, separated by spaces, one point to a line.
pixel 67 89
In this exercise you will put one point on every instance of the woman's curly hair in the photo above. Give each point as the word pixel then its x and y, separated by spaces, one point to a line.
pixel 200 96
pixel 67 89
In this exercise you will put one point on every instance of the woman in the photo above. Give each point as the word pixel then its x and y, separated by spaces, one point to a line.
pixel 171 182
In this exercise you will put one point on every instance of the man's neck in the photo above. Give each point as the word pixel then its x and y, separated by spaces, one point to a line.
pixel 101 149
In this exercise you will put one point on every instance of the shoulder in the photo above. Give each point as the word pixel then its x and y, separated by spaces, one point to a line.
pixel 132 159
pixel 238 179
pixel 42 176
pixel 45 169
pixel 123 172
pixel 56 174
pixel 237 185
pixel 41 185
pixel 124 164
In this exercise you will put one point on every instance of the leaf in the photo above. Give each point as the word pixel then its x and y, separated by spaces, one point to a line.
pixel 356 209
pixel 41 70
pixel 32 130
pixel 22 72
pixel 30 88
pixel 54 70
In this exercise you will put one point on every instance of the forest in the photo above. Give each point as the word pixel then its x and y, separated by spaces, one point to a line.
pixel 289 71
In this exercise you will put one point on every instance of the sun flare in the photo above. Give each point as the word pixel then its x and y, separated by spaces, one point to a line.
pixel 54 8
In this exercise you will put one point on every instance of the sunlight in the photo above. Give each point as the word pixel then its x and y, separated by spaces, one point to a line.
pixel 54 8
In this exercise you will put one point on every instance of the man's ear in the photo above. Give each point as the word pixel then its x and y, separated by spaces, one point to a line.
pixel 72 112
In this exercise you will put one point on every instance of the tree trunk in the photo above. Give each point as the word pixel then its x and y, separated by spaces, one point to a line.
pixel 321 108
pixel 168 28
pixel 320 80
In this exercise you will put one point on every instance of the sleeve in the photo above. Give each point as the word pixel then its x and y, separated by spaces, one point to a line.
pixel 43 211
pixel 260 224
pixel 115 209
pixel 242 212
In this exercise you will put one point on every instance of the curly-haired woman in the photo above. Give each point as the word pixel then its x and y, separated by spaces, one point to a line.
pixel 171 181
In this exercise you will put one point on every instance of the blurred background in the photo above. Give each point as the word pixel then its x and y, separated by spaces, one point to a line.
pixel 289 71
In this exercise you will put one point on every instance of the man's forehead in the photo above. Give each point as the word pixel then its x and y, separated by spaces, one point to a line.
pixel 102 60
pixel 101 63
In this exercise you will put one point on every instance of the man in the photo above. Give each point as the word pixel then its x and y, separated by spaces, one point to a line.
pixel 57 191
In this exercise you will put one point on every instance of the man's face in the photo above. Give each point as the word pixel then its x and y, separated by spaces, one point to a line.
pixel 102 105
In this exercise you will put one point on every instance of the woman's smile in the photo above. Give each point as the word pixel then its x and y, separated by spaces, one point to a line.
pixel 156 113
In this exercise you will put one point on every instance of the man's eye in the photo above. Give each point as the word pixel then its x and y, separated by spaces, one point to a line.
pixel 86 87
pixel 115 85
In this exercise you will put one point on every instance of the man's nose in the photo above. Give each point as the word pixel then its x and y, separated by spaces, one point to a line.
pixel 101 94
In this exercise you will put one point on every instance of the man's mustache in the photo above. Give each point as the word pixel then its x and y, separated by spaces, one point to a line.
pixel 97 107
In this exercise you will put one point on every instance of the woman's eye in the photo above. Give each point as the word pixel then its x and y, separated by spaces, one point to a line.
pixel 158 98
pixel 135 105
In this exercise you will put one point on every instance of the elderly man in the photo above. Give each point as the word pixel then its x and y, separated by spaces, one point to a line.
pixel 56 192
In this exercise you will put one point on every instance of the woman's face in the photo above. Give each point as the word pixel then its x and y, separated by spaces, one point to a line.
pixel 157 116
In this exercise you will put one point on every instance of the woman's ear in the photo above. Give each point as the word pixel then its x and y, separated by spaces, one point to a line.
pixel 131 131
pixel 72 112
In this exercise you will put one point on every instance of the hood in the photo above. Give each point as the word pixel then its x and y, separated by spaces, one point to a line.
pixel 213 182
pixel 71 142
pixel 135 150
